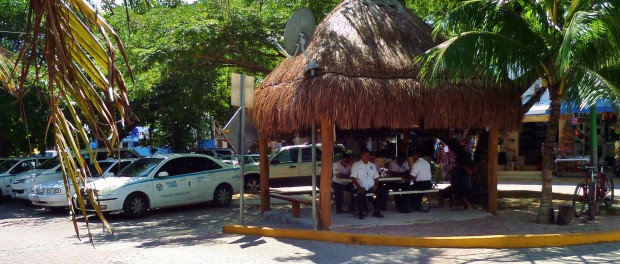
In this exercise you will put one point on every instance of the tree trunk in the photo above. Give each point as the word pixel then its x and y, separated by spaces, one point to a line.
pixel 545 211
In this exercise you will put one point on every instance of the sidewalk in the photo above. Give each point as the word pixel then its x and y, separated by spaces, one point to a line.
pixel 515 220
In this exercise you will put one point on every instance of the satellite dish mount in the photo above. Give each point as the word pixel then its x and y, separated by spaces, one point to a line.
pixel 298 34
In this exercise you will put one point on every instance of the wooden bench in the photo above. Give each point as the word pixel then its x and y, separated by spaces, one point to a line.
pixel 295 202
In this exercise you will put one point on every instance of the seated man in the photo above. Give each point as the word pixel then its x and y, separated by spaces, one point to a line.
pixel 399 167
pixel 341 170
pixel 365 178
pixel 421 175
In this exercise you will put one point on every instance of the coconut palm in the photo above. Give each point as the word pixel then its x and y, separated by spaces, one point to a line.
pixel 572 46
pixel 73 50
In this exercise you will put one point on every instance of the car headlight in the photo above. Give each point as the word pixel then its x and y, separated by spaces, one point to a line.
pixel 54 190
pixel 106 191
pixel 30 178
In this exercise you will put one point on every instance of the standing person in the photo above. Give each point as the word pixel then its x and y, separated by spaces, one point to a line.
pixel 365 178
pixel 399 167
pixel 460 184
pixel 421 175
pixel 341 170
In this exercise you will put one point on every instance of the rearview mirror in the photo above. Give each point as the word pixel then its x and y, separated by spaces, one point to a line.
pixel 163 174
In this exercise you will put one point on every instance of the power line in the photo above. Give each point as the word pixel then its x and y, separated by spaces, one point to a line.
pixel 12 32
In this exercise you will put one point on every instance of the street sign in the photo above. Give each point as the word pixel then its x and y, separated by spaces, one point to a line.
pixel 232 130
pixel 248 87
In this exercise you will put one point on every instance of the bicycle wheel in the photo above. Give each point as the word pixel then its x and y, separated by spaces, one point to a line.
pixel 579 199
pixel 592 203
pixel 608 199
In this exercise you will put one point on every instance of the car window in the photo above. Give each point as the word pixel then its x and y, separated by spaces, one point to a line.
pixel 306 154
pixel 176 166
pixel 287 156
pixel 23 166
pixel 198 164
pixel 119 166
pixel 140 168
pixel 6 165
pixel 104 165
pixel 49 164
pixel 223 152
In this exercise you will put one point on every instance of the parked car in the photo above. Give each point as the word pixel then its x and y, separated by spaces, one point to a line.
pixel 165 181
pixel 249 159
pixel 291 165
pixel 11 167
pixel 21 184
pixel 219 153
pixel 53 194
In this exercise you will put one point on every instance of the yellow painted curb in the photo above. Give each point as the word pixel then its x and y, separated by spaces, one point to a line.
pixel 494 241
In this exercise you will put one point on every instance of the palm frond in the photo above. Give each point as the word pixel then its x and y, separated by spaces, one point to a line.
pixel 7 80
pixel 479 56
pixel 85 85
pixel 496 16
pixel 585 86
pixel 592 38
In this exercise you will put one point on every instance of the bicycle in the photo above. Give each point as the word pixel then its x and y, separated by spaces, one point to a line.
pixel 595 188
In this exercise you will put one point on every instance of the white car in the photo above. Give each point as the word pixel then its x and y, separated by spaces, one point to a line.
pixel 11 167
pixel 164 181
pixel 53 194
pixel 21 185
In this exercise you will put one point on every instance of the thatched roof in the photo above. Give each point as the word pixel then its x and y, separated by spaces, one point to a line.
pixel 368 79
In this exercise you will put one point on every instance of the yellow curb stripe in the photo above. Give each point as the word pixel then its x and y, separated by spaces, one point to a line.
pixel 494 241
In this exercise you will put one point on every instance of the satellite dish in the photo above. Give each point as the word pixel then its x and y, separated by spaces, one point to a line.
pixel 297 35
pixel 301 22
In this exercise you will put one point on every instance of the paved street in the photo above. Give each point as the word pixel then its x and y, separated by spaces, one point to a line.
pixel 192 234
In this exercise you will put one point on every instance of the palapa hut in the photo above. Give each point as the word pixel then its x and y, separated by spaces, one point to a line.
pixel 368 79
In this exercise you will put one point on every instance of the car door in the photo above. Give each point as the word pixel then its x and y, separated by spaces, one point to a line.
pixel 306 162
pixel 207 175
pixel 285 164
pixel 170 183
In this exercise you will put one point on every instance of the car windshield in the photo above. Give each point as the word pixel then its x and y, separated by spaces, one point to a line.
pixel 140 168
pixel 104 165
pixel 6 165
pixel 49 164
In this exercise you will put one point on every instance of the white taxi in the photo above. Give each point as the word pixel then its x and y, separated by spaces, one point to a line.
pixel 53 194
pixel 164 181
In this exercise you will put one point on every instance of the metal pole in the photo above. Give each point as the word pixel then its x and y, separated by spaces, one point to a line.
pixel 241 160
pixel 593 135
pixel 313 139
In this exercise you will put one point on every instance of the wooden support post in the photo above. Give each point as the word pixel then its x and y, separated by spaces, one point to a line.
pixel 492 169
pixel 265 201
pixel 296 208
pixel 405 144
pixel 325 189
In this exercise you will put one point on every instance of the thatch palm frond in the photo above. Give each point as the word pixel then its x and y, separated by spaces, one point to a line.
pixel 86 88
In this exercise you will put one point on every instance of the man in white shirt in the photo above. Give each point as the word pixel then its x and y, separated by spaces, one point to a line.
pixel 341 171
pixel 421 175
pixel 365 178
pixel 399 167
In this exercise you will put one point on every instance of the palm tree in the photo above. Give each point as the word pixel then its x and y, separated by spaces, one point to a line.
pixel 74 50
pixel 572 46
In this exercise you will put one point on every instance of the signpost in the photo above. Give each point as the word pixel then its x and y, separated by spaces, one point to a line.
pixel 236 129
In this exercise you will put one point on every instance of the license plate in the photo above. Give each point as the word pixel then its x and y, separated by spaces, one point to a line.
pixel 35 198
pixel 14 195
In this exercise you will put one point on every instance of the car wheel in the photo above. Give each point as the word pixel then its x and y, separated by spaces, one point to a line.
pixel 252 184
pixel 135 206
pixel 222 196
